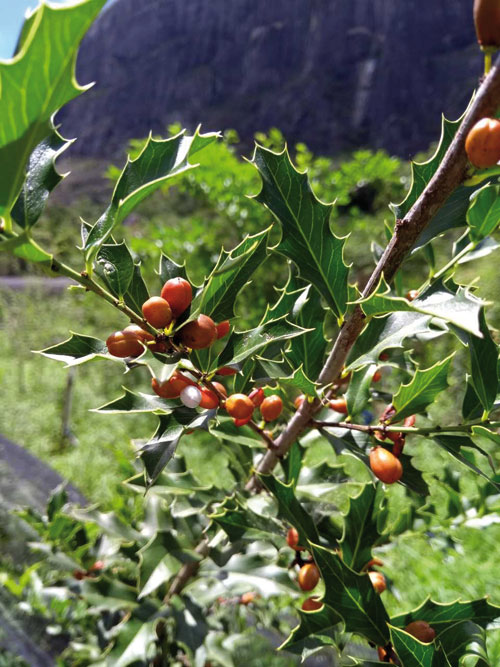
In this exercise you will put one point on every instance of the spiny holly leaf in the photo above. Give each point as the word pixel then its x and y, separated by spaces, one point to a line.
pixel 226 430
pixel 352 596
pixel 290 508
pixel 484 358
pixel 242 345
pixel 137 292
pixel 308 350
pixel 137 402
pixel 292 464
pixel 41 178
pixel 425 385
pixel 135 637
pixel 385 333
pixel 36 83
pixel 358 391
pixel 160 449
pixel 412 652
pixel 363 526
pixel 76 350
pixel 230 275
pixel 460 308
pixel 483 215
pixel 159 160
pixel 160 559
pixel 442 616
pixel 106 594
pixel 313 625
pixel 306 238
pixel 239 522
pixel 24 247
pixel 464 639
pixel 453 444
pixel 170 269
pixel 298 380
pixel 344 442
pixel 115 265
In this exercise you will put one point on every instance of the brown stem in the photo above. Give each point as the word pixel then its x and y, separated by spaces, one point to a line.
pixel 187 571
pixel 450 173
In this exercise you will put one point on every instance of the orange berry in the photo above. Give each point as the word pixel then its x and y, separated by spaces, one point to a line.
pixel 385 465
pixel 292 539
pixel 199 333
pixel 124 344
pixel 311 604
pixel 248 598
pixel 157 312
pixel 222 329
pixel 171 388
pixel 226 370
pixel 221 388
pixel 422 631
pixel 378 581
pixel 377 376
pixel 209 399
pixel 257 396
pixel 271 408
pixel 487 22
pixel 308 576
pixel 141 334
pixel 242 422
pixel 179 294
pixel 339 405
pixel 483 143
pixel 299 400
pixel 239 406
pixel 412 294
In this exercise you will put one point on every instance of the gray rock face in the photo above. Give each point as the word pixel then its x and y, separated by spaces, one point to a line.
pixel 332 73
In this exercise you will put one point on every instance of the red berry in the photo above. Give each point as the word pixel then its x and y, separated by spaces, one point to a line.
pixel 226 370
pixel 221 388
pixel 257 396
pixel 292 539
pixel 271 408
pixel 422 631
pixel 487 22
pixel 339 405
pixel 385 465
pixel 378 581
pixel 157 312
pixel 141 334
pixel 199 333
pixel 171 388
pixel 248 598
pixel 242 422
pixel 209 399
pixel 308 576
pixel 311 604
pixel 483 143
pixel 299 400
pixel 377 376
pixel 124 344
pixel 178 293
pixel 239 406
pixel 223 329
pixel 412 294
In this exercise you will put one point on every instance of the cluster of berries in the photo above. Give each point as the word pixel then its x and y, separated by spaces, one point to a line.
pixel 161 312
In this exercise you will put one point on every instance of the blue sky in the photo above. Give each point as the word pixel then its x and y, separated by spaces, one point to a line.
pixel 11 19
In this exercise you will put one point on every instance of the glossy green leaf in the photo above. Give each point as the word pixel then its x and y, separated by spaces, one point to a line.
pixel 308 350
pixel 230 275
pixel 76 350
pixel 160 160
pixel 109 594
pixel 484 358
pixel 442 616
pixel 290 508
pixel 115 265
pixel 41 178
pixel 137 292
pixel 242 345
pixel 358 391
pixel 352 596
pixel 306 238
pixel 170 269
pixel 133 643
pixel 363 526
pixel 414 397
pixel 483 215
pixel 161 448
pixel 464 639
pixel 460 308
pixel 239 522
pixel 137 402
pixel 316 624
pixel 453 444
pixel 37 82
pixel 411 651
pixel 385 333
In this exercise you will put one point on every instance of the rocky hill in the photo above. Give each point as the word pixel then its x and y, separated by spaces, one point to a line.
pixel 332 73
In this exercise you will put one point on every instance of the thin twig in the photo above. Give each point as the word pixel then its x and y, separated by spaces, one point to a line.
pixel 408 430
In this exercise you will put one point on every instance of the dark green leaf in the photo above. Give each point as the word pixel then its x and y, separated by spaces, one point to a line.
pixel 137 292
pixel 484 358
pixel 312 624
pixel 412 652
pixel 169 269
pixel 137 402
pixel 35 84
pixel 41 178
pixel 308 350
pixel 483 215
pixel 159 160
pixel 230 275
pixel 132 646
pixel 306 238
pixel 425 385
pixel 239 522
pixel 363 526
pixel 358 391
pixel 441 616
pixel 76 350
pixel 292 464
pixel 115 265
pixel 453 445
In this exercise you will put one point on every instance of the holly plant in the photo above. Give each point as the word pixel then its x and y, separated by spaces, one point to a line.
pixel 348 370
